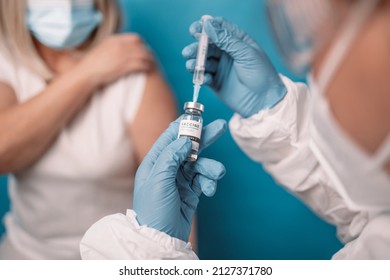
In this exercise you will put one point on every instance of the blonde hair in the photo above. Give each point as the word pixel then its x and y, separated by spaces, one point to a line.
pixel 17 42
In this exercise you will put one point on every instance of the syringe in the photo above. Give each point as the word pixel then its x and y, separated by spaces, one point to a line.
pixel 201 59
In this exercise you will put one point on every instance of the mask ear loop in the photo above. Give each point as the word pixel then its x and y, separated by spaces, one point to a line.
pixel 344 40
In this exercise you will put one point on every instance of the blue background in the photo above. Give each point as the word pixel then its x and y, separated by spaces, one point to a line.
pixel 250 217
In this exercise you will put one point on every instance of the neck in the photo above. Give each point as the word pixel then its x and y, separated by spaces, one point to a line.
pixel 58 61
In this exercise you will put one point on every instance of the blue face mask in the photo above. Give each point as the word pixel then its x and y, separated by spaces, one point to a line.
pixel 62 24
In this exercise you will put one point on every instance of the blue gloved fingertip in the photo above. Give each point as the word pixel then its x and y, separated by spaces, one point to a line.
pixel 185 51
pixel 211 28
pixel 224 124
pixel 190 64
pixel 195 27
pixel 209 189
pixel 208 79
pixel 220 124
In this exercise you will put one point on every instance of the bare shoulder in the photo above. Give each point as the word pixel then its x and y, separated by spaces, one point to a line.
pixel 156 111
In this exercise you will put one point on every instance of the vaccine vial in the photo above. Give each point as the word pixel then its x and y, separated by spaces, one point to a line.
pixel 191 123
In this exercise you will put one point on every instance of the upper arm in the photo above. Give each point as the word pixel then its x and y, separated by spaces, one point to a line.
pixel 157 109
pixel 7 97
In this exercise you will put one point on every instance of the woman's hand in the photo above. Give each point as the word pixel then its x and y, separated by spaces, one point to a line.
pixel 116 56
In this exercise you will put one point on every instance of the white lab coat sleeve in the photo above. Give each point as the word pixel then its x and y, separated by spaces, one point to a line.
pixel 279 139
pixel 119 237
pixel 372 244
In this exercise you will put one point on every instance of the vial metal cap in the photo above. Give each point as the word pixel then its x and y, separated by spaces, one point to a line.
pixel 194 105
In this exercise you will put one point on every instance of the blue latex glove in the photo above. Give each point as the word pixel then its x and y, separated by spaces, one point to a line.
pixel 237 69
pixel 167 188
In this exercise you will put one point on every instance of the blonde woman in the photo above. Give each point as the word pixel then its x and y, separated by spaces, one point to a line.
pixel 79 109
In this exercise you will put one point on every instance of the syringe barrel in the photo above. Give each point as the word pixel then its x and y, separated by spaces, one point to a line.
pixel 201 57
pixel 202 51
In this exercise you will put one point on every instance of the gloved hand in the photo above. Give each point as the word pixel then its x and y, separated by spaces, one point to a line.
pixel 167 188
pixel 237 69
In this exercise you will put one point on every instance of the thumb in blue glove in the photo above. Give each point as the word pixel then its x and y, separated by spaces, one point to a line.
pixel 167 188
pixel 237 69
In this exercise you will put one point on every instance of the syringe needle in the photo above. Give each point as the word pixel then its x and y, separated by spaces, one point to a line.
pixel 196 93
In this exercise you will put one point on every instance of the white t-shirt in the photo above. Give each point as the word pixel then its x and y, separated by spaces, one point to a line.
pixel 86 174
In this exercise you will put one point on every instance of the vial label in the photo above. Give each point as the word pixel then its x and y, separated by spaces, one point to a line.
pixel 193 130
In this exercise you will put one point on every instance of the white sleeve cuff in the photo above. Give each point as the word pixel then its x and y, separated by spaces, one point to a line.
pixel 121 237
pixel 279 137
pixel 372 244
